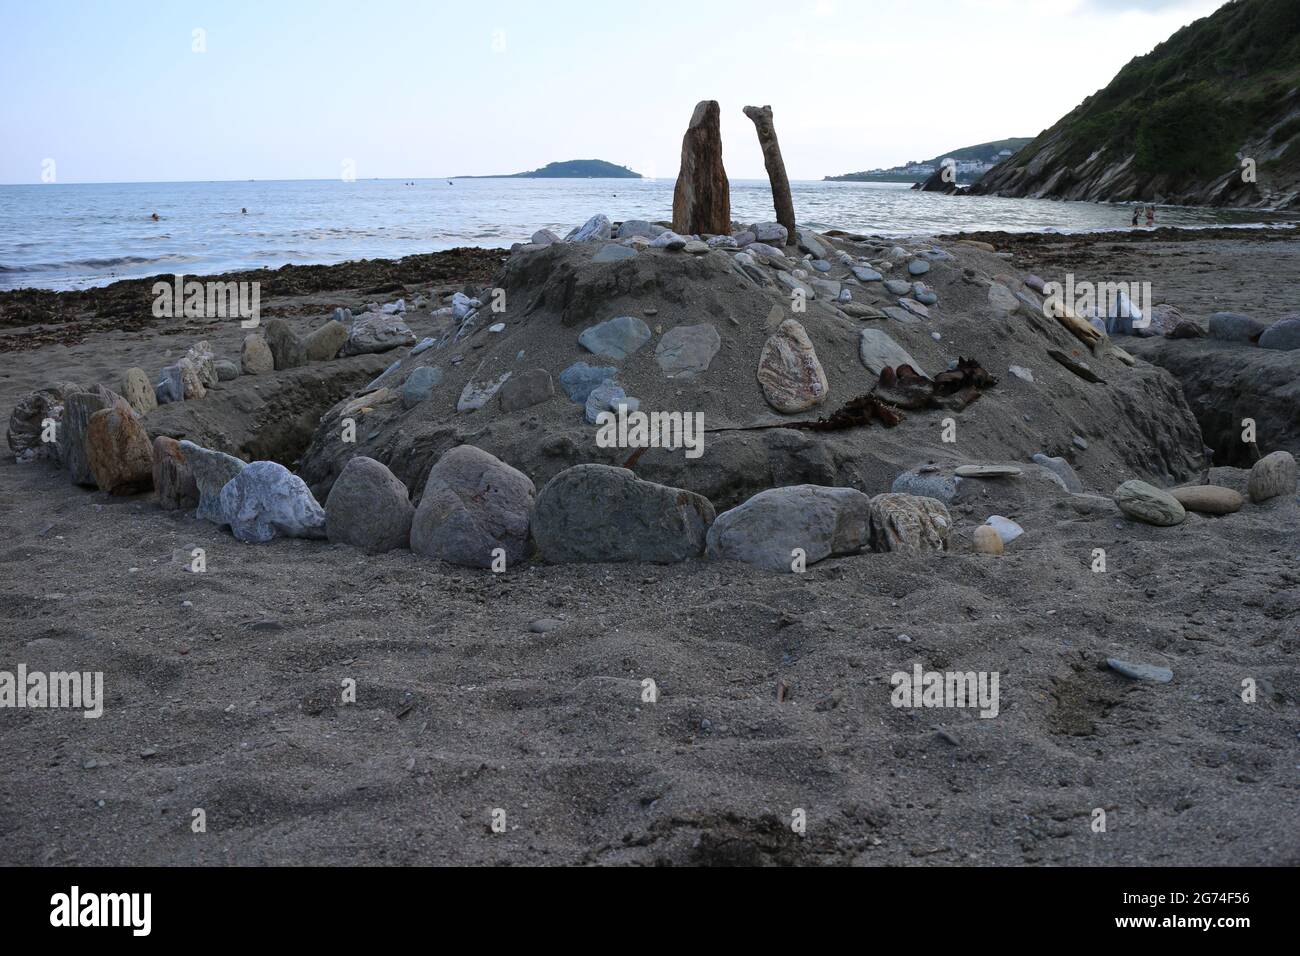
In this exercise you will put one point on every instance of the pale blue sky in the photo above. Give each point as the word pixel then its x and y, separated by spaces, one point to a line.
pixel 290 89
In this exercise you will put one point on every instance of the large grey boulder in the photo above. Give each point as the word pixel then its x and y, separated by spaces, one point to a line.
pixel 173 478
pixel 1148 504
pixel 323 344
pixel 265 500
pixel 287 349
pixel 909 523
pixel 1272 476
pixel 136 388
pixel 766 529
pixel 212 470
pixel 27 428
pixel 368 508
pixel 377 332
pixel 255 356
pixel 1235 327
pixel 1283 335
pixel 591 513
pixel 78 408
pixel 473 504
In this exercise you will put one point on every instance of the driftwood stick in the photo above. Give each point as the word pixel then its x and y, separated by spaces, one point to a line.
pixel 762 117
pixel 702 196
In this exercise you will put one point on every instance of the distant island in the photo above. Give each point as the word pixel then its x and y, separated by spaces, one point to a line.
pixel 972 163
pixel 572 169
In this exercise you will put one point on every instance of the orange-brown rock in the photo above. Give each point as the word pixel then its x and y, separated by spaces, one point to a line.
pixel 118 451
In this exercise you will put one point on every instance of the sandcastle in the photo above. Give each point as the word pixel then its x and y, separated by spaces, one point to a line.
pixel 848 390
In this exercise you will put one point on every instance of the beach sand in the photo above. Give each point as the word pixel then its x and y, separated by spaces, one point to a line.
pixel 224 689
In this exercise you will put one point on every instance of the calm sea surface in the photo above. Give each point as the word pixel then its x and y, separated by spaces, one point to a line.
pixel 73 236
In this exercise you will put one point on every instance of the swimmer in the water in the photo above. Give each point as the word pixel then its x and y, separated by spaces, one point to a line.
pixel 155 217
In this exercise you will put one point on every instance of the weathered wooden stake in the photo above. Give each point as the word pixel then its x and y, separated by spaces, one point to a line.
pixel 762 117
pixel 702 197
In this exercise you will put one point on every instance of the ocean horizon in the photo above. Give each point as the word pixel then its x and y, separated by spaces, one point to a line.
pixel 81 235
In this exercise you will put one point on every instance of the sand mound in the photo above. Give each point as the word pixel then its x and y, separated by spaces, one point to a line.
pixel 1134 423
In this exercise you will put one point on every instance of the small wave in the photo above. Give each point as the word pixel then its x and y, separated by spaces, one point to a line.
pixel 110 263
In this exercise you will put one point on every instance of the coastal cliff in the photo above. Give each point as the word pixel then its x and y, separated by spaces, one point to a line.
pixel 1209 117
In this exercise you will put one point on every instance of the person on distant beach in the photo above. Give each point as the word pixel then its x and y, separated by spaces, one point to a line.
pixel 1137 211
pixel 1151 215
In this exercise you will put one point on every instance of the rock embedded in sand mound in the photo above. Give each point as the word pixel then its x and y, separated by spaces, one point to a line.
pixel 1002 299
pixel 204 361
pixel 419 385
pixel 1061 468
pixel 212 471
pixel 987 541
pixel 608 396
pixel 1006 529
pixel 909 524
pixel 595 513
pixel 118 451
pixel 685 351
pixel 1148 504
pixel 580 378
pixel 265 500
pixel 255 356
pixel 616 338
pixel 788 371
pixel 613 253
pixel 287 349
pixel 1208 499
pixel 879 351
pixel 597 227
pixel 927 482
pixel 1161 675
pixel 227 371
pixel 473 504
pixel 766 529
pixel 476 395
pixel 369 508
pixel 377 332
pixel 1272 476
pixel 323 344
pixel 173 479
pixel 136 388
pixel 669 240
pixel 639 227
pixel 179 382
pixel 27 422
pixel 1283 335
pixel 526 389
pixel 78 408
pixel 1235 327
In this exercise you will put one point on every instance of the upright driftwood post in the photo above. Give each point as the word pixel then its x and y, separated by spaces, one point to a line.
pixel 702 197
pixel 762 117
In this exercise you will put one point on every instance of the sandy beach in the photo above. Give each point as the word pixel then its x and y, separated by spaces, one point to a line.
pixel 223 689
